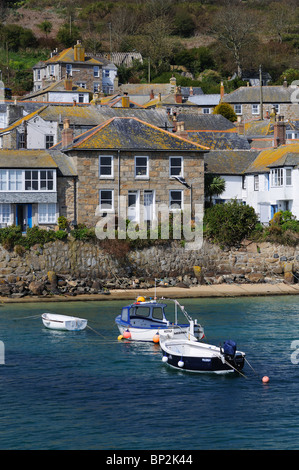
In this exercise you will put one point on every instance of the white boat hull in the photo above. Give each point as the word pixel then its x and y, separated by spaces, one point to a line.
pixel 148 334
pixel 63 322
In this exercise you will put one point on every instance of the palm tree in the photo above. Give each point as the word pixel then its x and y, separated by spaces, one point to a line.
pixel 214 186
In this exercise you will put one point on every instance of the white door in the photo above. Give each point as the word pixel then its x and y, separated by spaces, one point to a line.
pixel 148 205
pixel 133 206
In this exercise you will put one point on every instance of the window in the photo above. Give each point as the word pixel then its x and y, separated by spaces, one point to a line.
pixel 277 177
pixel 47 213
pixel 175 199
pixel 141 167
pixel 52 69
pixel 21 140
pixel 96 71
pixel 106 166
pixel 81 84
pixel 5 213
pixel 96 87
pixel 15 180
pixel 276 107
pixel 243 182
pixel 81 97
pixel 238 108
pixel 175 166
pixel 27 180
pixel 256 182
pixel 49 141
pixel 38 74
pixel 206 110
pixel 255 109
pixel 292 135
pixel 106 200
pixel 106 73
pixel 288 177
pixel 69 69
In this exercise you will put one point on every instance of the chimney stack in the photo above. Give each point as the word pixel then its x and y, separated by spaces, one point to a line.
pixel 152 95
pixel 180 129
pixel 68 83
pixel 221 91
pixel 125 101
pixel 178 95
pixel 79 52
pixel 67 134
pixel 279 132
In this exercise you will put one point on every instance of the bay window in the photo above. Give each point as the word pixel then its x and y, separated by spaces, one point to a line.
pixel 47 213
pixel 27 180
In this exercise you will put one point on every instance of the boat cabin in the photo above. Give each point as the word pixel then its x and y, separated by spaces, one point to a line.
pixel 151 311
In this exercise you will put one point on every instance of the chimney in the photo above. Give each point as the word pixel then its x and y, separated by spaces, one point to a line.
pixel 125 101
pixel 152 95
pixel 178 95
pixel 279 132
pixel 190 91
pixel 221 91
pixel 285 83
pixel 180 129
pixel 79 52
pixel 67 134
pixel 240 126
pixel 172 84
pixel 68 83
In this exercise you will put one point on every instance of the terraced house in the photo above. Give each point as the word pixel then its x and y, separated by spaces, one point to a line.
pixel 131 158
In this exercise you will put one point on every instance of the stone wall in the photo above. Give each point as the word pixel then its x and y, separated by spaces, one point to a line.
pixel 74 267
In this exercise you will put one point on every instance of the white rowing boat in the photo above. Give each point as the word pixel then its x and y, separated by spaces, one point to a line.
pixel 63 322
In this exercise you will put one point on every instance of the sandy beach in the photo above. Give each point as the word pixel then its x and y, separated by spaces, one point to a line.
pixel 219 290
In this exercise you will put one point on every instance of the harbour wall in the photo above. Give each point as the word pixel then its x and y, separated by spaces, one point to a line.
pixel 75 267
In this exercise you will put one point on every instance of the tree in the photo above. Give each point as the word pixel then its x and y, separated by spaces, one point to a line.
pixel 226 110
pixel 233 26
pixel 214 186
pixel 46 27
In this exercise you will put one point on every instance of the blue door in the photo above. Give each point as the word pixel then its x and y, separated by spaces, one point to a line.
pixel 24 216
pixel 274 209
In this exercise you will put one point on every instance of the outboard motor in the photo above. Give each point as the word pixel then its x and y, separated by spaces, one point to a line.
pixel 229 349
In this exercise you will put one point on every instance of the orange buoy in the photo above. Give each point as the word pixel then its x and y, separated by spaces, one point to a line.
pixel 265 379
pixel 156 338
pixel 127 334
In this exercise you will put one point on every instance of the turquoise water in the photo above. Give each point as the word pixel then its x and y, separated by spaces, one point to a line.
pixel 82 390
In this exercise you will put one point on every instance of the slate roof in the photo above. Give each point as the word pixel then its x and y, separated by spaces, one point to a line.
pixel 21 120
pixel 219 140
pixel 67 56
pixel 274 157
pixel 231 162
pixel 38 159
pixel 195 121
pixel 131 134
pixel 251 94
pixel 205 100
pixel 56 87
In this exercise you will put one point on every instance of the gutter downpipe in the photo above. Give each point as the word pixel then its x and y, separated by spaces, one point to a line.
pixel 118 201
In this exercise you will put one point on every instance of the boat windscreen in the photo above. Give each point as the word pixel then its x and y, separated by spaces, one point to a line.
pixel 125 314
pixel 158 313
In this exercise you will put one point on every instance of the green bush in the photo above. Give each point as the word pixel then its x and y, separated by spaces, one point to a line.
pixel 228 224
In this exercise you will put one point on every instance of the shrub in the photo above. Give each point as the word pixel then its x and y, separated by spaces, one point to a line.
pixel 226 110
pixel 228 224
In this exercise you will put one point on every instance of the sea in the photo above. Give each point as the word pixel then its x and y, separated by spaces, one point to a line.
pixel 88 390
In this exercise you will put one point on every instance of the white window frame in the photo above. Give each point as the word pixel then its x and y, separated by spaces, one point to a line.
pixel 5 214
pixel 47 213
pixel 96 71
pixel 255 108
pixel 106 209
pixel 69 69
pixel 173 167
pixel 13 178
pixel 111 174
pixel 181 191
pixel 277 178
pixel 146 176
pixel 256 182
pixel 238 109
pixel 206 110
pixel 277 108
pixel 47 137
pixel 288 176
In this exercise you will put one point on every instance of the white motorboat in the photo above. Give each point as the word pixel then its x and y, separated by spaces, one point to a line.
pixel 143 320
pixel 63 322
pixel 195 356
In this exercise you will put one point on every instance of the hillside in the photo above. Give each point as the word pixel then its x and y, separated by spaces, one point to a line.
pixel 211 40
